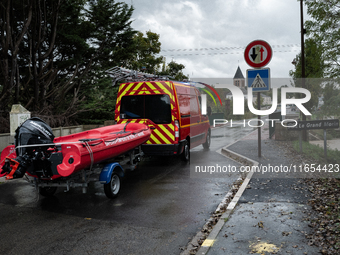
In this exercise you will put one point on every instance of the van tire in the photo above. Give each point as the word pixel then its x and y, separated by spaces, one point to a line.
pixel 206 145
pixel 185 156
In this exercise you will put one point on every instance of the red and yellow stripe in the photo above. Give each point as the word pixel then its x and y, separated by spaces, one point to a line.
pixel 162 133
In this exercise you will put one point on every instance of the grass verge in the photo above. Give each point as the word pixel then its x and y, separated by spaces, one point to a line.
pixel 316 153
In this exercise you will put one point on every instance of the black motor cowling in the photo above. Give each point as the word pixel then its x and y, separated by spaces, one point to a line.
pixel 32 131
pixel 32 139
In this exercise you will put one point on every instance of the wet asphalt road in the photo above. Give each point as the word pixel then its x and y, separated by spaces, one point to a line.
pixel 159 210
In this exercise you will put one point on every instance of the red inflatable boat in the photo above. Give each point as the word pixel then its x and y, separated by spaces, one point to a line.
pixel 39 154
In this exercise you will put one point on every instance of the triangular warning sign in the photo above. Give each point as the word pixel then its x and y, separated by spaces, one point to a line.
pixel 258 82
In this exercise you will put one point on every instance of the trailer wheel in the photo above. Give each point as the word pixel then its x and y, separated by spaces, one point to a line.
pixel 112 188
pixel 47 191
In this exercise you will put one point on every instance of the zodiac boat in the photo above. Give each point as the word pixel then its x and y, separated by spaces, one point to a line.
pixel 39 154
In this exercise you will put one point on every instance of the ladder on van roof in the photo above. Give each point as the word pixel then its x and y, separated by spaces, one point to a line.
pixel 119 74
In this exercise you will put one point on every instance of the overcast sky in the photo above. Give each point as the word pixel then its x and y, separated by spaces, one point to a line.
pixel 209 37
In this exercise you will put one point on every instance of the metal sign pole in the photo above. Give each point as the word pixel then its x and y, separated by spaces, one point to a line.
pixel 258 54
pixel 325 143
pixel 259 123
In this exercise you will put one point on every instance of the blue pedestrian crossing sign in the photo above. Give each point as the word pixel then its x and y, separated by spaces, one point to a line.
pixel 258 79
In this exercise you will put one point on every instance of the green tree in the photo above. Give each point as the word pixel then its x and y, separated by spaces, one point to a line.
pixel 314 68
pixel 54 54
pixel 330 90
pixel 261 101
pixel 332 106
pixel 331 95
pixel 324 28
pixel 147 47
pixel 173 70
pixel 279 93
pixel 113 45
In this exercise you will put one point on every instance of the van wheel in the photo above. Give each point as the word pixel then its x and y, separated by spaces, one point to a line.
pixel 185 156
pixel 206 145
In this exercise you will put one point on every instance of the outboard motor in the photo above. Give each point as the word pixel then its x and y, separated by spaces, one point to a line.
pixel 33 143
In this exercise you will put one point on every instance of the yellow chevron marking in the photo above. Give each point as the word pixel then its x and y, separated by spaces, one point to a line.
pixel 153 88
pixel 144 92
pixel 163 87
pixel 124 90
pixel 172 137
pixel 161 136
pixel 155 139
pixel 136 88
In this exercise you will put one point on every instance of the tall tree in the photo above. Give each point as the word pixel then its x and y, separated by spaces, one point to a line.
pixel 324 28
pixel 147 47
pixel 314 68
pixel 54 53
pixel 174 70
pixel 15 18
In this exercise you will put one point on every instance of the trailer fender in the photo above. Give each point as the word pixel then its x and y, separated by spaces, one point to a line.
pixel 105 174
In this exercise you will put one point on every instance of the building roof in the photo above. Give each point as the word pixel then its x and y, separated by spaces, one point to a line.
pixel 238 74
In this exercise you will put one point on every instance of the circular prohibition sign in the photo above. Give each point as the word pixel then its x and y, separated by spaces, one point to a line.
pixel 258 53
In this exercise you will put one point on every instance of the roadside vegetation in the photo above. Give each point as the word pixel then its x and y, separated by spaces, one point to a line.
pixel 315 153
pixel 325 198
pixel 55 55
pixel 322 61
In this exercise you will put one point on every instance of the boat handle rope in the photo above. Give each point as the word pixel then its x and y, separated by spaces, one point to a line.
pixel 88 147
pixel 126 125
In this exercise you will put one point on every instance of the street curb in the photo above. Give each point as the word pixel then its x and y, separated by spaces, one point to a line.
pixel 193 244
pixel 209 241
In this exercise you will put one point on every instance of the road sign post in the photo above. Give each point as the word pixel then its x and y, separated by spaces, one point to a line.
pixel 258 54
pixel 259 125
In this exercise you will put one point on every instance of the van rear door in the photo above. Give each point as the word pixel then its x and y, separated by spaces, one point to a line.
pixel 150 103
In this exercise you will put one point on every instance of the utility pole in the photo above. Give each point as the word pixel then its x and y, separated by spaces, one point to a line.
pixel 303 74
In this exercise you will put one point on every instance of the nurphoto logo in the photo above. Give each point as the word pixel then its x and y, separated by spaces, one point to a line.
pixel 238 104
